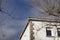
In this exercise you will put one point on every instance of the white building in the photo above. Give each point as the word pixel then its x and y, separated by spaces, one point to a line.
pixel 41 29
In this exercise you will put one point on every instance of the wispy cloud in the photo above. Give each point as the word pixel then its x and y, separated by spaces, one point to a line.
pixel 11 28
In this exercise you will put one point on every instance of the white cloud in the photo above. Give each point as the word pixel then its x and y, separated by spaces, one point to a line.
pixel 11 28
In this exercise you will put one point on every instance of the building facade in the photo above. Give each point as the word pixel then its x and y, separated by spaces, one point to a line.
pixel 41 29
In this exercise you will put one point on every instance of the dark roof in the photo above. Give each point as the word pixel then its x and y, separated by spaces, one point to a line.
pixel 38 19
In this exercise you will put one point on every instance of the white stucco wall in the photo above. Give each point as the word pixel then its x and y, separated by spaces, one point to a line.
pixel 26 35
pixel 40 31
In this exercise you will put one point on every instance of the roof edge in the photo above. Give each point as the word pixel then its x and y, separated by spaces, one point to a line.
pixel 43 19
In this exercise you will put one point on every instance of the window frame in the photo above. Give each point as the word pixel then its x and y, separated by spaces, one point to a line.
pixel 51 34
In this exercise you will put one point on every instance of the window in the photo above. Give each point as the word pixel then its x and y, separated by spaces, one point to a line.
pixel 49 31
pixel 58 30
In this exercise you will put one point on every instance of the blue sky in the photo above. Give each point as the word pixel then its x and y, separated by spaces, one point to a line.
pixel 19 8
pixel 10 29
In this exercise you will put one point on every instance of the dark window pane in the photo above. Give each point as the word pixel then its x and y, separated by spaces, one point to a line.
pixel 48 32
pixel 58 33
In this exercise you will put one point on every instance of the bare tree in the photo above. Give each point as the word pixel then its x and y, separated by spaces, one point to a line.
pixel 0 4
pixel 2 21
pixel 50 7
pixel 9 14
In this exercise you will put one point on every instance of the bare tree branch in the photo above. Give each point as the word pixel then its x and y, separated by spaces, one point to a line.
pixel 51 7
pixel 9 14
pixel 0 4
pixel 2 21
